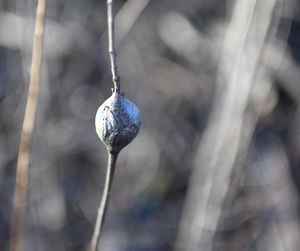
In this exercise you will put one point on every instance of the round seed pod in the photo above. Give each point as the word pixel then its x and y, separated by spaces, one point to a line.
pixel 117 122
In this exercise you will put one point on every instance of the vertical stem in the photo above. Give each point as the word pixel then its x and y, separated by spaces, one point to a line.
pixel 112 159
pixel 22 168
pixel 111 46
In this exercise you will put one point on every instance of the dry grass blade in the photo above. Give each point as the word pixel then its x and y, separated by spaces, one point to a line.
pixel 22 171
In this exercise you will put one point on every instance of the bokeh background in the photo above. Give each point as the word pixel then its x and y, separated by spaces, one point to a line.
pixel 216 163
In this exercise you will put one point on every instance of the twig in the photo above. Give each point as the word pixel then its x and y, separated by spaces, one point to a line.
pixel 111 46
pixel 112 159
pixel 112 155
pixel 22 169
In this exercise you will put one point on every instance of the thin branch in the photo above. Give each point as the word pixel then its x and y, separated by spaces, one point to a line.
pixel 111 46
pixel 112 156
pixel 112 159
pixel 22 169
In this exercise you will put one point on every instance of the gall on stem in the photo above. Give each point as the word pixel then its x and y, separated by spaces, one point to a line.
pixel 117 123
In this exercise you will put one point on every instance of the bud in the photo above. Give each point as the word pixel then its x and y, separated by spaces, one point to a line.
pixel 117 122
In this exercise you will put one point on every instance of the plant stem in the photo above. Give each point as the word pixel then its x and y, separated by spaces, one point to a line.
pixel 111 165
pixel 111 46
pixel 112 156
pixel 22 169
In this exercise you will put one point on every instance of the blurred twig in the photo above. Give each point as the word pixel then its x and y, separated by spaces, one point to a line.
pixel 126 18
pixel 26 134
pixel 222 139
pixel 285 70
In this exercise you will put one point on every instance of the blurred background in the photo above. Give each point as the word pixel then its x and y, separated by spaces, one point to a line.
pixel 216 163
